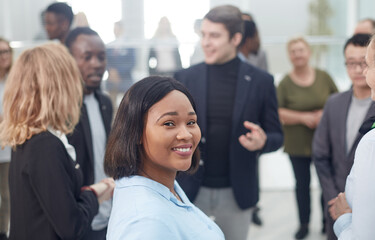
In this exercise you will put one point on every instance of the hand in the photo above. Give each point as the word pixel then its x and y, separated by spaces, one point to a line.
pixel 318 115
pixel 312 119
pixel 104 189
pixel 309 119
pixel 255 139
pixel 338 206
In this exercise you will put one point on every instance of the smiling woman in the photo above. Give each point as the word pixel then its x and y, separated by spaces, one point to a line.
pixel 154 136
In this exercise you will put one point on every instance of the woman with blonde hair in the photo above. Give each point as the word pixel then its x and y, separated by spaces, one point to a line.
pixel 5 65
pixel 42 102
pixel 301 95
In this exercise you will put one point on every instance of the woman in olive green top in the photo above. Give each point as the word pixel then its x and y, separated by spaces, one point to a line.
pixel 302 94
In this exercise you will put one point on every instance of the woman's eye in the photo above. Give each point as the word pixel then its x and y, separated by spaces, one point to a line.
pixel 169 124
pixel 191 122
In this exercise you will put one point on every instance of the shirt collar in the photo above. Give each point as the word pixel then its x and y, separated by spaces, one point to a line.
pixel 137 180
pixel 69 148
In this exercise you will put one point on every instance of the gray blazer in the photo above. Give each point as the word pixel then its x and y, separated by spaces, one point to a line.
pixel 332 160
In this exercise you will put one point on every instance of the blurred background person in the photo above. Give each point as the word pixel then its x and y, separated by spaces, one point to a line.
pixel 354 210
pixel 256 56
pixel 89 137
pixel 301 95
pixel 237 106
pixel 164 57
pixel 155 135
pixel 365 26
pixel 337 134
pixel 41 35
pixel 198 55
pixel 5 65
pixel 80 20
pixel 247 44
pixel 120 63
pixel 58 18
pixel 42 101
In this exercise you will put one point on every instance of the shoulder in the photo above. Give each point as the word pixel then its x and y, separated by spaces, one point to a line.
pixel 284 83
pixel 103 98
pixel 43 140
pixel 369 137
pixel 255 70
pixel 140 200
pixel 145 209
pixel 323 74
pixel 337 98
pixel 41 150
pixel 286 80
pixel 261 78
pixel 194 69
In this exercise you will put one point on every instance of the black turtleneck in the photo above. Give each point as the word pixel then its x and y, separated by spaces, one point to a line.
pixel 222 81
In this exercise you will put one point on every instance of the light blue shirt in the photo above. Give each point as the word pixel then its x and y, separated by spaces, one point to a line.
pixel 360 194
pixel 145 209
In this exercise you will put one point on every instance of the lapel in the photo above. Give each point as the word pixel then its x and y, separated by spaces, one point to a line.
pixel 200 96
pixel 242 91
pixel 87 131
pixel 105 113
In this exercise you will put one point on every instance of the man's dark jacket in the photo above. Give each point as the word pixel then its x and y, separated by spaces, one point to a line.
pixel 255 101
pixel 81 138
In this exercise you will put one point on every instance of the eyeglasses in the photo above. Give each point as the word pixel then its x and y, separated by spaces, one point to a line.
pixel 5 52
pixel 353 65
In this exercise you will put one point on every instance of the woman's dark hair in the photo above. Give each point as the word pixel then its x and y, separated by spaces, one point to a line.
pixel 123 153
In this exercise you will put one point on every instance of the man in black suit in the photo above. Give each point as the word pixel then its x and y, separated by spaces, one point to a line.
pixel 90 135
pixel 237 114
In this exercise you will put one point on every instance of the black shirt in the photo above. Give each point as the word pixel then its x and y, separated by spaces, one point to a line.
pixel 222 81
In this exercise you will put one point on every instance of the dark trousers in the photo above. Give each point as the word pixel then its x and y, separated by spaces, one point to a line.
pixel 301 168
pixel 95 235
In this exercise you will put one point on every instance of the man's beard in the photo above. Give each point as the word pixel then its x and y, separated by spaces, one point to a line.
pixel 92 88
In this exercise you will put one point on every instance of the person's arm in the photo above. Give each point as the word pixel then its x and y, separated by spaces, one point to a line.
pixel 322 155
pixel 268 136
pixel 292 117
pixel 52 184
pixel 360 187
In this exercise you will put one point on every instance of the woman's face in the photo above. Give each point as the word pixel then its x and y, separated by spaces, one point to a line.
pixel 369 71
pixel 299 54
pixel 170 136
pixel 5 56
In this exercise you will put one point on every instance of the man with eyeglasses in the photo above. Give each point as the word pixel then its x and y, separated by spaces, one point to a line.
pixel 337 135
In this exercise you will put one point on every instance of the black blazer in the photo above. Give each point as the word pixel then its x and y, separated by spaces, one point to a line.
pixel 45 192
pixel 81 137
pixel 255 101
